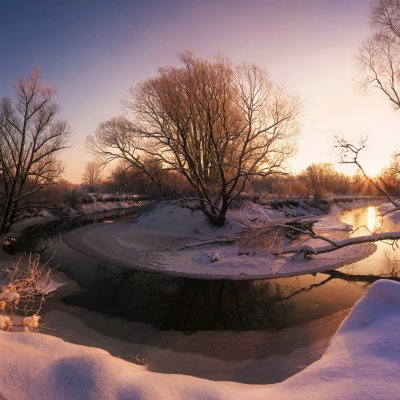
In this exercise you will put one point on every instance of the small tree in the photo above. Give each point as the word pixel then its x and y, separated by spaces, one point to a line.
pixel 30 139
pixel 217 124
pixel 92 175
pixel 116 139
pixel 390 176
pixel 323 179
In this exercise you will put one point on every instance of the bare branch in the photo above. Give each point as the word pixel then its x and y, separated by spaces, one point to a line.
pixel 215 124
pixel 30 139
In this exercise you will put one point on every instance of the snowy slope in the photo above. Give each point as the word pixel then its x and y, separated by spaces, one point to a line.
pixel 362 362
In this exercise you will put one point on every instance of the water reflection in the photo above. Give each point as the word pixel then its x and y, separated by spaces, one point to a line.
pixel 190 304
pixel 372 222
pixel 385 262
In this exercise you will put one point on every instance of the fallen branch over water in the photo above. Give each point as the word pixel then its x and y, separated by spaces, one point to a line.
pixel 307 250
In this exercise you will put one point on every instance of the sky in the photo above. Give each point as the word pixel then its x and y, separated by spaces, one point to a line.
pixel 93 51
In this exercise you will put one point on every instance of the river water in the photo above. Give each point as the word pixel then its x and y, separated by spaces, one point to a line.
pixel 191 304
pixel 100 296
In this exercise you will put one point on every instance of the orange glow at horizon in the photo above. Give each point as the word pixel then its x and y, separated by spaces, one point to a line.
pixel 299 43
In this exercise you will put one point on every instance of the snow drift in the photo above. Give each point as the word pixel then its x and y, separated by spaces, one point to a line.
pixel 362 362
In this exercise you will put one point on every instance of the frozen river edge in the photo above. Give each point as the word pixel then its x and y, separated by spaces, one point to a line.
pixel 159 242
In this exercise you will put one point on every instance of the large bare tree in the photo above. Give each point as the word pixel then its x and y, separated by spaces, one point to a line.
pixel 217 124
pixel 379 55
pixel 31 137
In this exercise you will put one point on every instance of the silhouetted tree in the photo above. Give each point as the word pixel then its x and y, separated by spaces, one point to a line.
pixel 390 176
pixel 30 139
pixel 92 175
pixel 323 179
pixel 380 54
pixel 217 124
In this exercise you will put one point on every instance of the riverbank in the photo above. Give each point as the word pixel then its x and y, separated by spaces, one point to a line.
pixel 256 357
pixel 89 210
pixel 364 351
pixel 173 241
pixel 252 356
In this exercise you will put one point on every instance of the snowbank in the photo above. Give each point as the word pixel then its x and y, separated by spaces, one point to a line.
pixel 388 209
pixel 171 240
pixel 95 205
pixel 362 362
pixel 104 206
pixel 331 222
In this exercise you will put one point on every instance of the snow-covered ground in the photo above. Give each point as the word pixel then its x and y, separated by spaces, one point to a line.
pixel 388 209
pixel 97 204
pixel 362 362
pixel 170 239
pixel 103 206
pixel 249 356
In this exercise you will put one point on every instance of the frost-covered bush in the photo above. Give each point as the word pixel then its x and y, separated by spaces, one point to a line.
pixel 272 240
pixel 23 291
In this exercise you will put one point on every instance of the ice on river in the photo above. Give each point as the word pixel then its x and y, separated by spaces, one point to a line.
pixel 171 240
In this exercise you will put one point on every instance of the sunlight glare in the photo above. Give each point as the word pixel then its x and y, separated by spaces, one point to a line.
pixel 372 223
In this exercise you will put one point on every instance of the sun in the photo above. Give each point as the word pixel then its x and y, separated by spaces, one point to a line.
pixel 373 170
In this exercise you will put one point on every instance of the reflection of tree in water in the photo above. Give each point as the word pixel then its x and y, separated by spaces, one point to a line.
pixel 224 305
pixel 367 278
pixel 335 274
pixel 190 304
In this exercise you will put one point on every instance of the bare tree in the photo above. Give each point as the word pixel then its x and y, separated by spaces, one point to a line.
pixel 319 177
pixel 379 55
pixel 30 139
pixel 128 178
pixel 218 124
pixel 116 139
pixel 391 175
pixel 92 175
pixel 350 155
pixel 379 59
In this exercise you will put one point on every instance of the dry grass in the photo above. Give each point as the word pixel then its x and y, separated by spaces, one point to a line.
pixel 23 296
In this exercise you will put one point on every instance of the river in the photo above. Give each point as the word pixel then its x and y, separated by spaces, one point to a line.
pixel 254 331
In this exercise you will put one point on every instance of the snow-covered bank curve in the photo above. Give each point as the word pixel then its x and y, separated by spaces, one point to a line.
pixel 154 243
pixel 362 362
pixel 89 212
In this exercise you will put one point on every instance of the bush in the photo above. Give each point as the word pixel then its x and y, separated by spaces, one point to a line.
pixel 23 295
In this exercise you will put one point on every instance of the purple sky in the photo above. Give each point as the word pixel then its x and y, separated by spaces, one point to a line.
pixel 93 51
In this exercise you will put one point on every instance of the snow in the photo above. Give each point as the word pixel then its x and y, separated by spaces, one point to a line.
pixel 166 240
pixel 362 362
pixel 250 356
pixel 5 322
pixel 99 204
pixel 386 207
pixel 104 206
pixel 31 321
pixel 9 295
pixel 42 287
pixel 331 222
pixel 388 210
pixel 45 288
